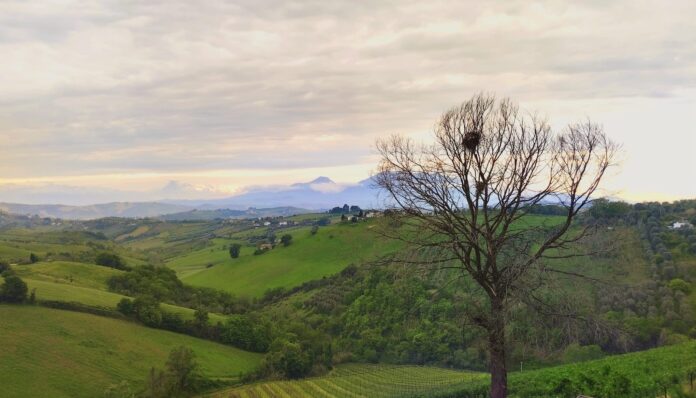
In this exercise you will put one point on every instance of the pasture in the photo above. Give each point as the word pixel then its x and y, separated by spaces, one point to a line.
pixel 54 353
pixel 309 257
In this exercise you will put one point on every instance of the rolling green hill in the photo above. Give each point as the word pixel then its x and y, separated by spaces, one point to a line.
pixel 83 283
pixel 80 274
pixel 50 291
pixel 47 352
pixel 309 257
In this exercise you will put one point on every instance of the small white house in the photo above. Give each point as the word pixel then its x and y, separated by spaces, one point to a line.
pixel 680 225
pixel 266 223
pixel 283 223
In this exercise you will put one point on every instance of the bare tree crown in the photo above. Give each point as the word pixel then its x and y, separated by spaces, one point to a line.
pixel 488 165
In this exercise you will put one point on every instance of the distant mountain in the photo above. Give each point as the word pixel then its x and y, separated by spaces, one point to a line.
pixel 320 193
pixel 116 209
pixel 207 215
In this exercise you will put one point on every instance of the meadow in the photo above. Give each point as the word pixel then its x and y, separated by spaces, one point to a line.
pixel 67 272
pixel 73 282
pixel 309 257
pixel 55 353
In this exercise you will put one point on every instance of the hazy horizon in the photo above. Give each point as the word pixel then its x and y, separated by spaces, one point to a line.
pixel 115 100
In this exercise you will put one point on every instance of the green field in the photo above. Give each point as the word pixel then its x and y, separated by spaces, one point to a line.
pixel 375 381
pixel 83 283
pixel 54 353
pixel 49 291
pixel 79 274
pixel 309 257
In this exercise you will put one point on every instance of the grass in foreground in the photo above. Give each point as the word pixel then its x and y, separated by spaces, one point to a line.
pixel 54 353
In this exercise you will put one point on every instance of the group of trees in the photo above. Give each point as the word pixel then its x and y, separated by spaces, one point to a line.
pixel 243 331
pixel 345 209
pixel 163 285
pixel 110 260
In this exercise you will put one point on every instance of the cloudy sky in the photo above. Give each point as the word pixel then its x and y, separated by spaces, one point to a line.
pixel 121 97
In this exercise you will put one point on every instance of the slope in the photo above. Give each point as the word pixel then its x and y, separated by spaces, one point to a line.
pixel 47 352
pixel 309 257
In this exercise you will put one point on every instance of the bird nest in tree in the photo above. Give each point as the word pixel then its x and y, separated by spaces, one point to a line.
pixel 471 140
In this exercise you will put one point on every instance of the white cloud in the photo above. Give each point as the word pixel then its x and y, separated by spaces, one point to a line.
pixel 274 88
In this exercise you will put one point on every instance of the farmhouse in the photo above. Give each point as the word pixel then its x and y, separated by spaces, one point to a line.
pixel 681 225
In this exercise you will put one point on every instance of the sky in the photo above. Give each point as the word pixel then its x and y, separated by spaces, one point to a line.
pixel 125 100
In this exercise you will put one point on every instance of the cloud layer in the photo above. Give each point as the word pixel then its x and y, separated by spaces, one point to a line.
pixel 179 87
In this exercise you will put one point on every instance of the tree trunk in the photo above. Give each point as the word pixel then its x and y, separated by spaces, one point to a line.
pixel 496 340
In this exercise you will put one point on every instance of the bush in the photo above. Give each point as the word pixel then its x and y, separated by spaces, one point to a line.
pixel 33 258
pixel 163 284
pixel 180 378
pixel 14 290
pixel 243 332
pixel 125 307
pixel 110 260
pixel 235 248
pixel 147 310
pixel 287 359
pixel 286 240
pixel 680 285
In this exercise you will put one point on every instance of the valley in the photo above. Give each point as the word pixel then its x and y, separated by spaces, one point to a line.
pixel 335 299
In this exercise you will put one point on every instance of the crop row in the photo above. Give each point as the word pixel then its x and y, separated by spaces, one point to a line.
pixel 360 381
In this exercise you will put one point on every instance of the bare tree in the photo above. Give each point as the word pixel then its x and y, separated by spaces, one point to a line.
pixel 466 195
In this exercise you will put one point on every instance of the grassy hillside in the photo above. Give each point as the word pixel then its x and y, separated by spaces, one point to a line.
pixel 360 381
pixel 52 243
pixel 50 291
pixel 80 274
pixel 83 283
pixel 309 257
pixel 47 352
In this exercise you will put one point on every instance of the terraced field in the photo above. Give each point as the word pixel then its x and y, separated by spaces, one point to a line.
pixel 374 381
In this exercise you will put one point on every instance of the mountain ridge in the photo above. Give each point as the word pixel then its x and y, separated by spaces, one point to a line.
pixel 319 194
